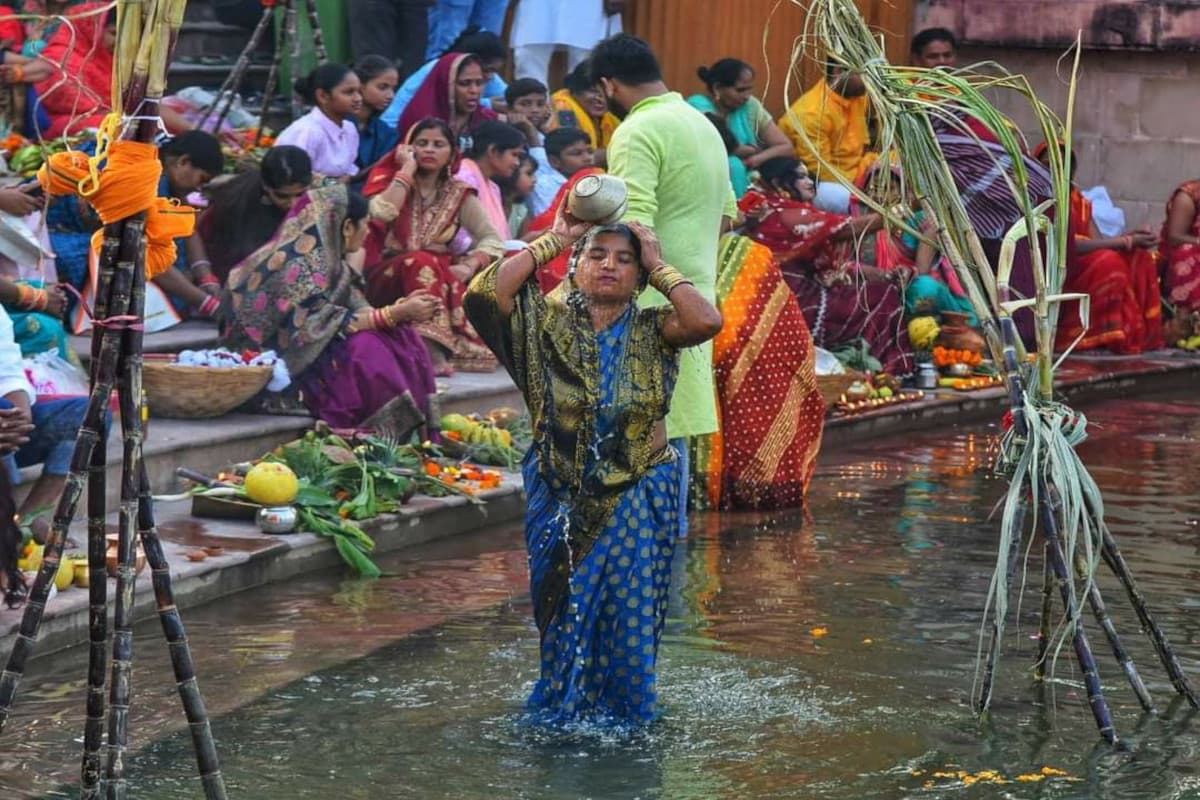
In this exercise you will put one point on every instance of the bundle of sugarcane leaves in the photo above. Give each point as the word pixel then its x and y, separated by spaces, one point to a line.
pixel 343 482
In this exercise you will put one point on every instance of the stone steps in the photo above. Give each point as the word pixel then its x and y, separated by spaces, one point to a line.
pixel 209 446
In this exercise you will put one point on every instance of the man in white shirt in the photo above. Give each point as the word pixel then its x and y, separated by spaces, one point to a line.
pixel 540 27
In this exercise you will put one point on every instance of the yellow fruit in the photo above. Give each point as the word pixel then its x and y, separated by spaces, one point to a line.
pixel 506 438
pixel 923 331
pixel 271 484
pixel 65 575
pixel 885 392
pixel 1193 343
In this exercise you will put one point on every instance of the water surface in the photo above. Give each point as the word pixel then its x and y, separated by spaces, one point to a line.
pixel 821 655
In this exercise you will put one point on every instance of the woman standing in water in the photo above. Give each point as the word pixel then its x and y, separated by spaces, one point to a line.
pixel 597 374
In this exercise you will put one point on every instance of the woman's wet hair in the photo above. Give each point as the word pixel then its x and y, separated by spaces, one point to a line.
pixel 203 150
pixel 725 72
pixel 368 68
pixel 499 135
pixel 324 78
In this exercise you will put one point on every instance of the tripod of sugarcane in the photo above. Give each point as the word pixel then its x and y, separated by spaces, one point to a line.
pixel 291 38
pixel 1057 572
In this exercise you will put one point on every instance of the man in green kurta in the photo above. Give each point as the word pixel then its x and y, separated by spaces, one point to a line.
pixel 676 168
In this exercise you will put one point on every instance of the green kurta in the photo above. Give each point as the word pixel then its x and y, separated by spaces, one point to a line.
pixel 675 165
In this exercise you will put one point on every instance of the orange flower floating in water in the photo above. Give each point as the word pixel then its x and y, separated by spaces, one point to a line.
pixel 991 776
pixel 817 633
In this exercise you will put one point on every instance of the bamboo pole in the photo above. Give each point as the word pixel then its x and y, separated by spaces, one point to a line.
pixel 314 22
pixel 293 38
pixel 233 82
pixel 269 88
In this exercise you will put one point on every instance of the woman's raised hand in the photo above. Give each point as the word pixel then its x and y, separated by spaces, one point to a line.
pixel 406 162
pixel 569 228
pixel 652 257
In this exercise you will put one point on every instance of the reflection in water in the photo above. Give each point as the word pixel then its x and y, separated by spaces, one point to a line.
pixel 828 654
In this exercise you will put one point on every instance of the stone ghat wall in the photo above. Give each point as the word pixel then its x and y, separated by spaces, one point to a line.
pixel 1137 118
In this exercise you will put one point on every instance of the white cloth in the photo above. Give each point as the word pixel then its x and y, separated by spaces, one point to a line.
pixel 533 60
pixel 832 197
pixel 12 368
pixel 1109 218
pixel 575 23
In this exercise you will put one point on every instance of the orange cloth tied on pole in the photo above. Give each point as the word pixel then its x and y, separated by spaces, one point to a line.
pixel 126 185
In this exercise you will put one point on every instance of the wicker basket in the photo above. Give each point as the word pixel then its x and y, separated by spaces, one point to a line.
pixel 176 391
pixel 833 386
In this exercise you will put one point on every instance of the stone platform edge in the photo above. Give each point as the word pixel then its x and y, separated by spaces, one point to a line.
pixel 276 559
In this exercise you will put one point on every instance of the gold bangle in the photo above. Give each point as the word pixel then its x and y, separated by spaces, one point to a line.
pixel 665 278
pixel 546 248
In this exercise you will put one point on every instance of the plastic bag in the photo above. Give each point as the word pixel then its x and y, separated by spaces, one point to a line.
pixel 53 376
pixel 1110 219
pixel 828 364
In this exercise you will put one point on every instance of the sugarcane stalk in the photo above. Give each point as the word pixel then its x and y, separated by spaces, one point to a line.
pixel 314 22
pixel 182 664
pixel 1166 654
pixel 1083 650
pixel 90 431
pixel 233 82
pixel 1039 667
pixel 203 741
pixel 132 261
pixel 1100 611
pixel 93 732
pixel 293 37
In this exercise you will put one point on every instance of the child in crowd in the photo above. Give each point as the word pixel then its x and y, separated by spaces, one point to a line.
pixel 567 151
pixel 329 132
pixel 528 102
pixel 376 138
pixel 517 191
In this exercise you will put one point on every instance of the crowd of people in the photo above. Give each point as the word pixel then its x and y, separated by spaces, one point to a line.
pixel 417 222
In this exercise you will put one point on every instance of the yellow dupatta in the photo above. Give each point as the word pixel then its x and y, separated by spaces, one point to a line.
pixel 567 106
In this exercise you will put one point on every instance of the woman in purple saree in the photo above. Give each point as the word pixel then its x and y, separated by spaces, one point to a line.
pixel 297 296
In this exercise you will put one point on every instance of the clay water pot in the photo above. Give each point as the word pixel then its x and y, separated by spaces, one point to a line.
pixel 601 199
pixel 957 334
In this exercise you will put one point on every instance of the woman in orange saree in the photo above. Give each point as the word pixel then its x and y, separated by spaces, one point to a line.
pixel 772 413
pixel 1181 248
pixel 417 209
pixel 1121 277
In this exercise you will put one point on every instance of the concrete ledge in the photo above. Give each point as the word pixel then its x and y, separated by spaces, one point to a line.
pixel 253 558
pixel 1082 379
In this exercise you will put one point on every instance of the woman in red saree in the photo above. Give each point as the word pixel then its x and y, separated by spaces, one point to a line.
pixel 1181 249
pixel 453 92
pixel 78 92
pixel 842 300
pixel 1119 274
pixel 553 273
pixel 772 413
pixel 417 209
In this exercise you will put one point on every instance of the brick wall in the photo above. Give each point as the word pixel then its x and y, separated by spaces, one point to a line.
pixel 1137 118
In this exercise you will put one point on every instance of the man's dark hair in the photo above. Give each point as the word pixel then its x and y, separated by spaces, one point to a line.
pixel 560 139
pixel 523 87
pixel 625 58
pixel 931 35
pixel 478 42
